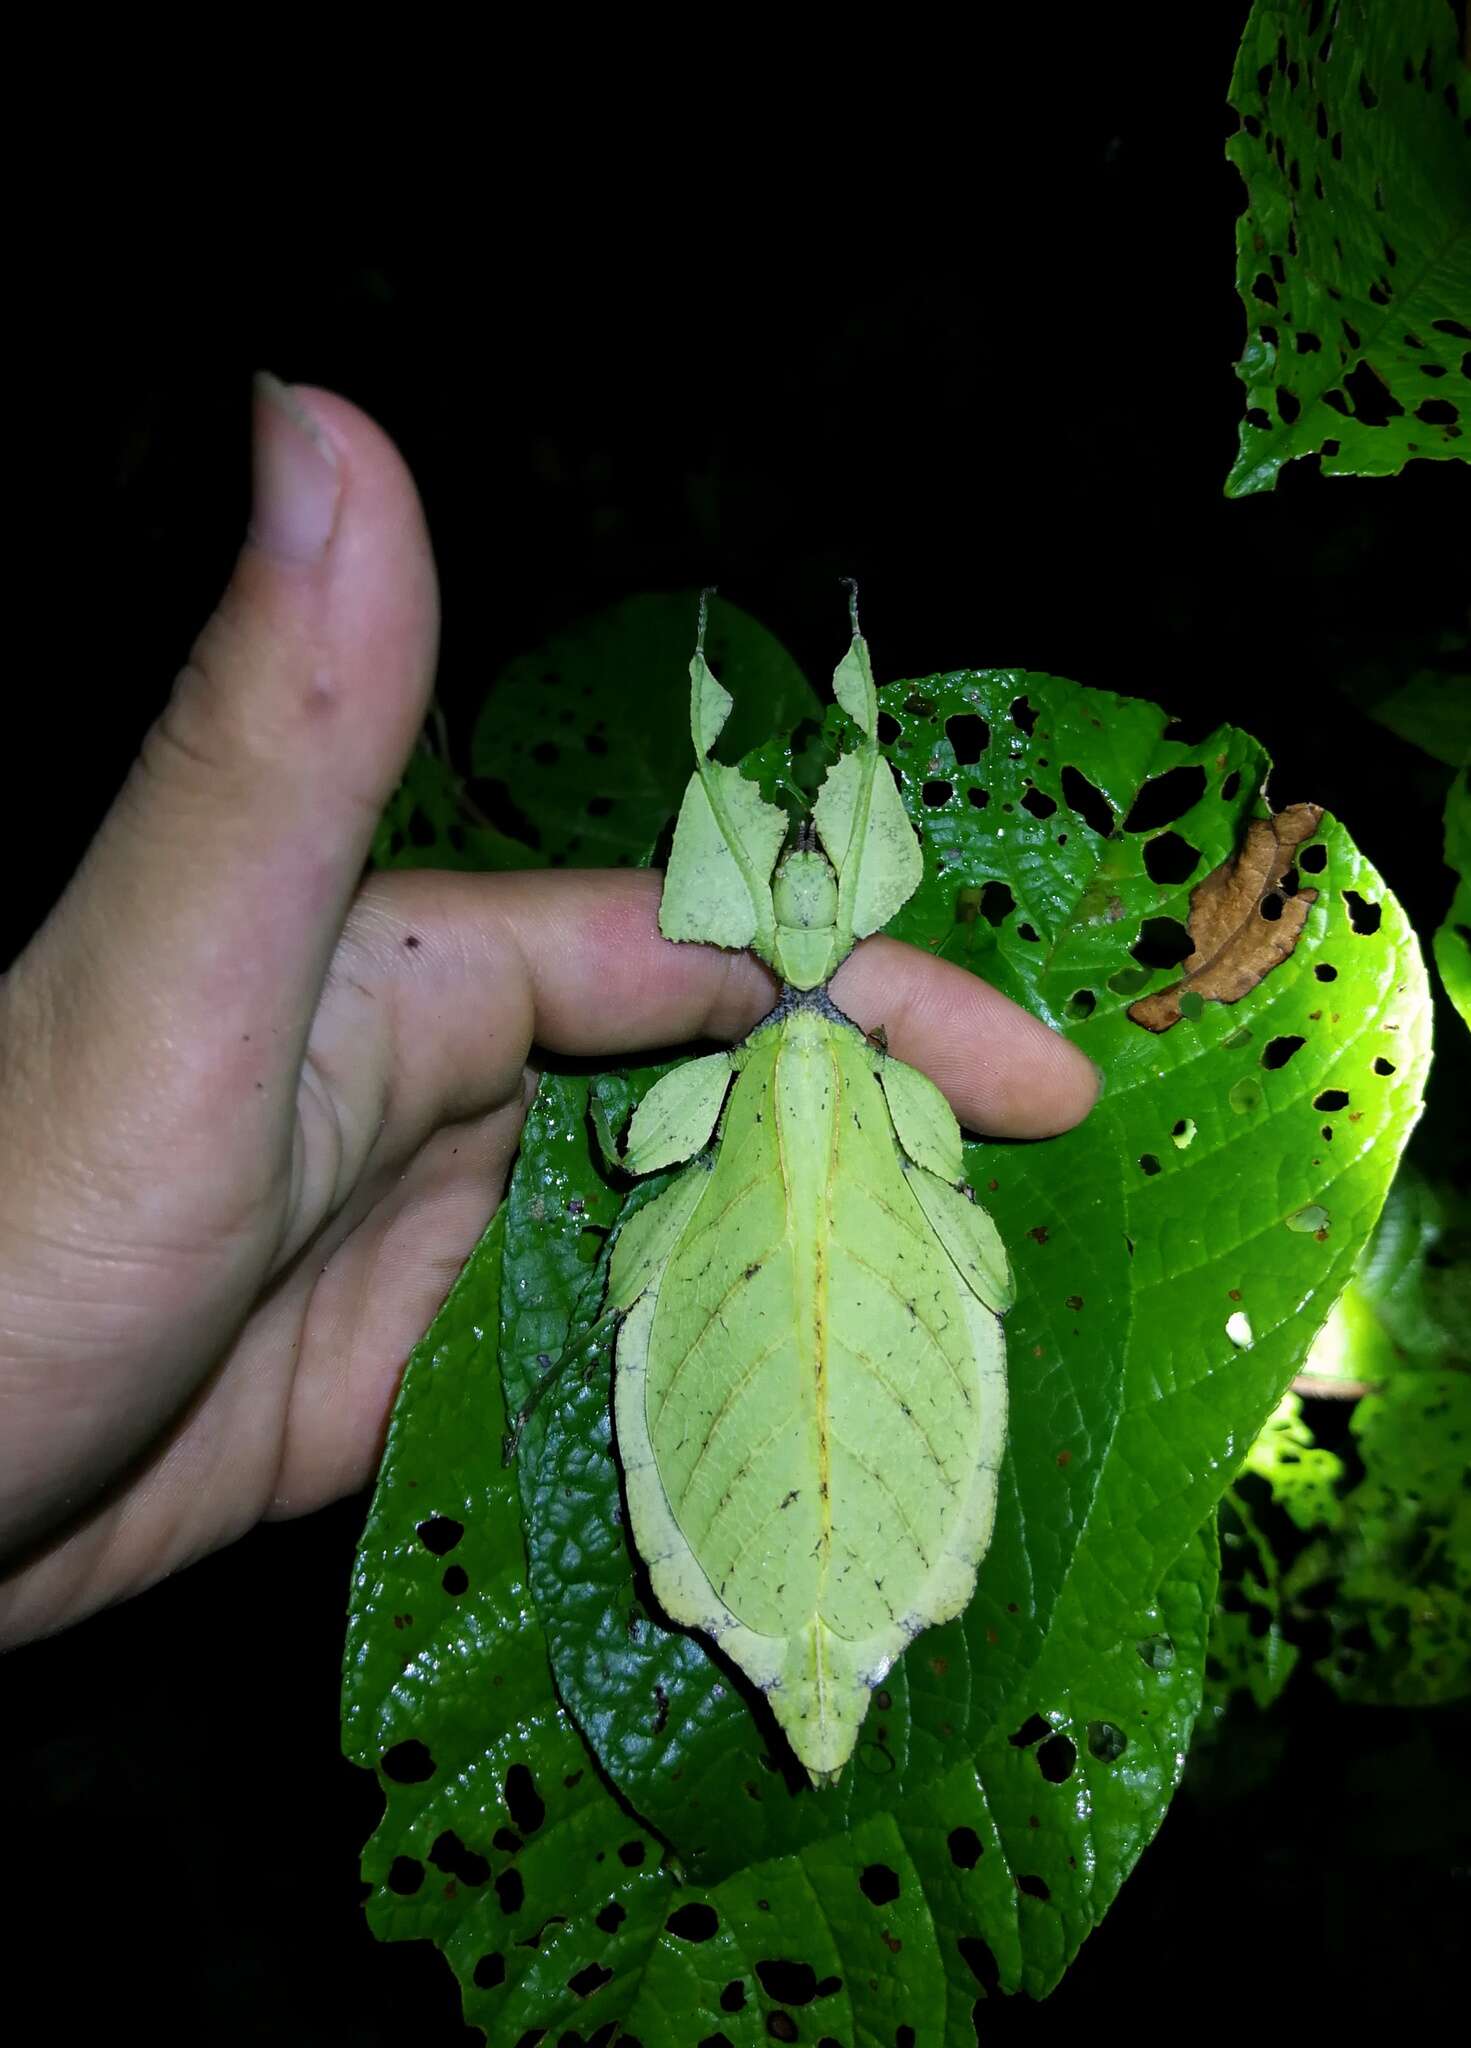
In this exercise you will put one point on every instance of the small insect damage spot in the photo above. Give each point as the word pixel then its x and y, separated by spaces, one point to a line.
pixel 1087 802
pixel 1158 1652
pixel 1183 1132
pixel 1278 1051
pixel 405 1876
pixel 936 793
pixel 510 1889
pixel 1166 798
pixel 1023 716
pixel 1330 1100
pixel 694 1922
pixel 1312 1221
pixel 611 1917
pixel 524 1803
pixel 878 1884
pixel 450 1855
pixel 1034 1887
pixel 969 735
pixel 1106 1742
pixel 1162 942
pixel 408 1763
pixel 793 1983
pixel 590 1978
pixel 1056 1759
pixel 1038 1233
pixel 1363 914
pixel 1148 1164
pixel 455 1580
pixel 1169 859
pixel 1383 1066
pixel 981 1962
pixel 631 1854
pixel 1038 803
pixel 1036 1728
pixel 733 1996
pixel 488 1972
pixel 966 1848
pixel 440 1534
pixel 1234 946
pixel 1080 1004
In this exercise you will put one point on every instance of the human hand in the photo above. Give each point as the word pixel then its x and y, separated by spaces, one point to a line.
pixel 255 1113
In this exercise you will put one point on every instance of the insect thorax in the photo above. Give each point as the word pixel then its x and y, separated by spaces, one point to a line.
pixel 804 897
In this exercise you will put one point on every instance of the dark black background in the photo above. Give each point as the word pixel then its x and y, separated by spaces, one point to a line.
pixel 972 344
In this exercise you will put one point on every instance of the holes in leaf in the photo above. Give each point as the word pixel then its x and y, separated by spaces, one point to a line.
pixel 1264 289
pixel 1087 801
pixel 1158 1652
pixel 1245 1095
pixel 450 1855
pixel 1023 717
pixel 733 1997
pixel 1170 859
pixel 1106 1742
pixel 970 736
pixel 1027 932
pixel 786 1982
pixel 1331 1100
pixel 694 1922
pixel 611 1918
pixel 1164 798
pixel 1383 1066
pixel 455 1581
pixel 1375 405
pixel 1162 942
pixel 710 2041
pixel 546 753
pixel 918 705
pixel 590 1978
pixel 1081 1003
pixel 966 1848
pixel 631 1854
pixel 1148 1165
pixel 1056 1759
pixel 1278 1051
pixel 523 1802
pixel 405 1875
pixel 1035 1887
pixel 1183 1132
pixel 440 1534
pixel 904 2037
pixel 511 1892
pixel 1034 1729
pixel 997 902
pixel 978 798
pixel 408 1763
pixel 1230 786
pixel 782 2027
pixel 1363 914
pixel 1289 406
pixel 1127 981
pixel 1038 803
pixel 493 799
pixel 488 1972
pixel 1307 342
pixel 935 793
pixel 1324 972
pixel 1271 907
pixel 878 1884
pixel 978 1959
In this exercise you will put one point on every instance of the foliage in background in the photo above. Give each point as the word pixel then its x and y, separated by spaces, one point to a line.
pixel 584 1809
pixel 1453 939
pixel 1354 252
pixel 1366 1559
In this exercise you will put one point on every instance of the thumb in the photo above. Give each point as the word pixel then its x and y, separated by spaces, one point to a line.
pixel 164 1007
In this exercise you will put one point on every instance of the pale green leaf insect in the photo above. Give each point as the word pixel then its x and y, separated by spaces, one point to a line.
pixel 810 1384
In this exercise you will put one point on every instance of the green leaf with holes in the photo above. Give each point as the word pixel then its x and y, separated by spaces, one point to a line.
pixel 1453 939
pixel 1353 257
pixel 588 737
pixel 430 822
pixel 1174 1256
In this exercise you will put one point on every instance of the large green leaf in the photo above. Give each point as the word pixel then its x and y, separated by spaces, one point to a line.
pixel 1019 1759
pixel 1354 252
pixel 1453 939
pixel 589 736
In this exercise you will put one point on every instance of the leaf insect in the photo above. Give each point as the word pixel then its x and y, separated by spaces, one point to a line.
pixel 810 1381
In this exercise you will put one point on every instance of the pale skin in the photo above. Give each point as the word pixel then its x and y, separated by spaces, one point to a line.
pixel 254 1113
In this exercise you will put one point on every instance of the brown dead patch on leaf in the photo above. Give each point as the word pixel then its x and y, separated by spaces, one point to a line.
pixel 1235 945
